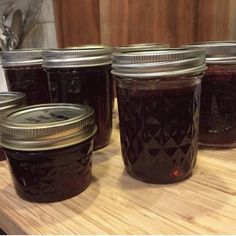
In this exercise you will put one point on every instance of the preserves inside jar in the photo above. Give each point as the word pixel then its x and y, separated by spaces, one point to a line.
pixel 31 80
pixel 218 106
pixel 91 86
pixel 159 127
pixel 2 155
pixel 48 176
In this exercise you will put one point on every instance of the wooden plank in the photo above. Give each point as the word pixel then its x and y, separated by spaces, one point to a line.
pixel 77 22
pixel 120 11
pixel 140 21
pixel 115 203
pixel 58 22
pixel 105 23
pixel 216 20
pixel 162 21
pixel 119 22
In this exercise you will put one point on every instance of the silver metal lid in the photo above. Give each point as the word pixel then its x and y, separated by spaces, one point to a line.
pixel 11 100
pixel 21 57
pixel 47 127
pixel 140 47
pixel 83 56
pixel 217 52
pixel 161 63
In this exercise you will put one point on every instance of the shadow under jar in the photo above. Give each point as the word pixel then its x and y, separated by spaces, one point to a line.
pixel 8 102
pixel 158 101
pixel 82 75
pixel 24 73
pixel 49 150
pixel 218 97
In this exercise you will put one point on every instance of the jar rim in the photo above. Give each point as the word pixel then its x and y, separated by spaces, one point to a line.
pixel 140 47
pixel 217 52
pixel 47 126
pixel 161 63
pixel 81 56
pixel 21 57
pixel 11 100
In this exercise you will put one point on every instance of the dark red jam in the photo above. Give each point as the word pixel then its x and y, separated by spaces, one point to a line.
pixel 2 155
pixel 159 131
pixel 31 80
pixel 55 175
pixel 218 107
pixel 92 86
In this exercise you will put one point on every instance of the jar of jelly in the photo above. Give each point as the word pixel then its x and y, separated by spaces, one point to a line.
pixel 218 97
pixel 158 101
pixel 140 47
pixel 82 75
pixel 49 149
pixel 24 73
pixel 10 101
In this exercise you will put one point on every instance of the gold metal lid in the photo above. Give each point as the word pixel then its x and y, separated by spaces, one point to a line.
pixel 160 63
pixel 11 100
pixel 139 47
pixel 47 127
pixel 21 57
pixel 217 52
pixel 82 56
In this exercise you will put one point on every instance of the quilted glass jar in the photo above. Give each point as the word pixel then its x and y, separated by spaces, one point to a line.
pixel 82 75
pixel 49 150
pixel 10 101
pixel 24 73
pixel 218 98
pixel 158 101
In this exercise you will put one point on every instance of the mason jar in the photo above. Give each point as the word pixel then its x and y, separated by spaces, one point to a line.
pixel 218 98
pixel 82 75
pixel 158 101
pixel 24 73
pixel 8 102
pixel 49 150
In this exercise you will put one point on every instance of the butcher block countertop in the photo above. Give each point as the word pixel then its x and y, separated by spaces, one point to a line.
pixel 115 203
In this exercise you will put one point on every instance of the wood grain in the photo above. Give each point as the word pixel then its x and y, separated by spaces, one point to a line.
pixel 77 22
pixel 143 21
pixel 216 20
pixel 119 22
pixel 115 203
pixel 105 22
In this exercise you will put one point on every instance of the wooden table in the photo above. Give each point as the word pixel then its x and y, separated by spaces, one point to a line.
pixel 117 204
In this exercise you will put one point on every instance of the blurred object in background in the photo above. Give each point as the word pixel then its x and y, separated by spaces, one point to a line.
pixel 26 24
pixel 3 85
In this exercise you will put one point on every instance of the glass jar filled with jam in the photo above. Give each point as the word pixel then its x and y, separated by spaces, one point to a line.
pixel 49 149
pixel 24 73
pixel 158 101
pixel 8 102
pixel 140 47
pixel 82 75
pixel 218 97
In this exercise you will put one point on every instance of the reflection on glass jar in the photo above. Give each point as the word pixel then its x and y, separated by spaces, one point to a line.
pixel 218 107
pixel 159 104
pixel 51 160
pixel 8 102
pixel 82 75
pixel 218 98
pixel 24 73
